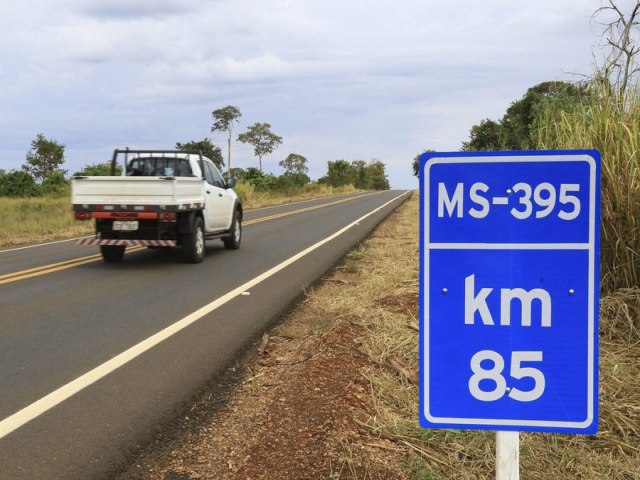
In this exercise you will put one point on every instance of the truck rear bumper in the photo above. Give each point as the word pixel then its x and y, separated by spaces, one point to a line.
pixel 126 242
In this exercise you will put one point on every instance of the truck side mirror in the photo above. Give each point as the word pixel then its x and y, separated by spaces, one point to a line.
pixel 231 182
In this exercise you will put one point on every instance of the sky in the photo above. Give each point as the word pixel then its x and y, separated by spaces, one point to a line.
pixel 337 79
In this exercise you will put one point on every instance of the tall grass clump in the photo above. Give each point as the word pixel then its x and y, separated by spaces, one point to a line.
pixel 29 220
pixel 610 123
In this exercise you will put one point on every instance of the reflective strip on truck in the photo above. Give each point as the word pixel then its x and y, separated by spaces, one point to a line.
pixel 126 242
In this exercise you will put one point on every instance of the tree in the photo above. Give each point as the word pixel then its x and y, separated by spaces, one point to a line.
pixel 484 136
pixel 18 184
pixel 514 130
pixel 223 119
pixel 238 173
pixel 295 172
pixel 377 175
pixel 98 170
pixel 620 67
pixel 339 173
pixel 294 164
pixel 44 158
pixel 262 139
pixel 415 164
pixel 290 180
pixel 517 122
pixel 260 180
pixel 55 184
pixel 361 175
pixel 208 149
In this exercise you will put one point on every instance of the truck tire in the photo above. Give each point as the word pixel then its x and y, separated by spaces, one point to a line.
pixel 112 253
pixel 232 242
pixel 193 243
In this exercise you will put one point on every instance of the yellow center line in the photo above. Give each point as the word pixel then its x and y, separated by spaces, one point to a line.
pixel 45 267
pixel 56 267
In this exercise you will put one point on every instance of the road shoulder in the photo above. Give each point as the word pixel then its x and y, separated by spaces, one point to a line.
pixel 301 402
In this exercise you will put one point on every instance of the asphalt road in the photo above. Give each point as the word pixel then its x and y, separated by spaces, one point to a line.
pixel 94 357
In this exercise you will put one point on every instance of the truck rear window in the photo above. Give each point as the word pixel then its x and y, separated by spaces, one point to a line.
pixel 159 166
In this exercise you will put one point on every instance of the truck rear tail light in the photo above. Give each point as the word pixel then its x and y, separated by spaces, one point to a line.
pixel 83 215
pixel 168 217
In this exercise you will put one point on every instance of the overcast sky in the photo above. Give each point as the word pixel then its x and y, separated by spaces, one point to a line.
pixel 337 79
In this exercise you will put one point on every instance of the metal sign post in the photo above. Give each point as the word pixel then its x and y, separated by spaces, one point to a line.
pixel 509 279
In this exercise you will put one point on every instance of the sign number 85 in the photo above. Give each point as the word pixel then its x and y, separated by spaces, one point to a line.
pixel 494 374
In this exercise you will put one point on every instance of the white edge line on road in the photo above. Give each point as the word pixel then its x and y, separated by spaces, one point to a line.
pixel 42 244
pixel 58 396
pixel 328 197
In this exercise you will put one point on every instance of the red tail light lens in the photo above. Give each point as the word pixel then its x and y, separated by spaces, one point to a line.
pixel 83 215
pixel 168 217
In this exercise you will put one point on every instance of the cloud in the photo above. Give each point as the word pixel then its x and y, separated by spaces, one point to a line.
pixel 127 9
pixel 357 80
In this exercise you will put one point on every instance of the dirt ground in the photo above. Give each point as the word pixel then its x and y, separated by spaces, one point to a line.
pixel 331 392
pixel 296 410
pixel 294 416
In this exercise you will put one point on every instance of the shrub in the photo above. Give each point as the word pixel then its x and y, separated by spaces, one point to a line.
pixel 55 184
pixel 18 184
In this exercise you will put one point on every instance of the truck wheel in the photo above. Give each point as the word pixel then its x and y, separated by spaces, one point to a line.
pixel 232 242
pixel 193 243
pixel 112 253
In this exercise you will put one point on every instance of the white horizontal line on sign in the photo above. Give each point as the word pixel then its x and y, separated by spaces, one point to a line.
pixel 508 246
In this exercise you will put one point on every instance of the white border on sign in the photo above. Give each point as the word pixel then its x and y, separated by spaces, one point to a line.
pixel 590 246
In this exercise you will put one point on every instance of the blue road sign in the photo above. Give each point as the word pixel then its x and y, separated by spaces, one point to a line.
pixel 509 290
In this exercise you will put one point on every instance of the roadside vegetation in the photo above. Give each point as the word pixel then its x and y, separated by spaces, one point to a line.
pixel 384 299
pixel 49 217
pixel 376 292
pixel 38 219
pixel 381 296
pixel 335 389
pixel 35 200
pixel 603 113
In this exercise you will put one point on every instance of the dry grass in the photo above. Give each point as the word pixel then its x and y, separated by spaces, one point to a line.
pixel 378 289
pixel 256 198
pixel 39 219
pixel 613 127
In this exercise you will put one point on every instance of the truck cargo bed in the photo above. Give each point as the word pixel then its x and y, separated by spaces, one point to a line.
pixel 121 190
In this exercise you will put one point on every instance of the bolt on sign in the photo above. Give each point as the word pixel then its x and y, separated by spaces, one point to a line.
pixel 509 290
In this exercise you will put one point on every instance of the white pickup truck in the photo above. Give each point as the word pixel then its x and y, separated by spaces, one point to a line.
pixel 164 198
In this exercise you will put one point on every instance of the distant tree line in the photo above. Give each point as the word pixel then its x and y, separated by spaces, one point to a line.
pixel 360 174
pixel 42 172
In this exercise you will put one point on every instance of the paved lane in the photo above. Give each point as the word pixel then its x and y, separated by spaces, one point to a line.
pixel 57 327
